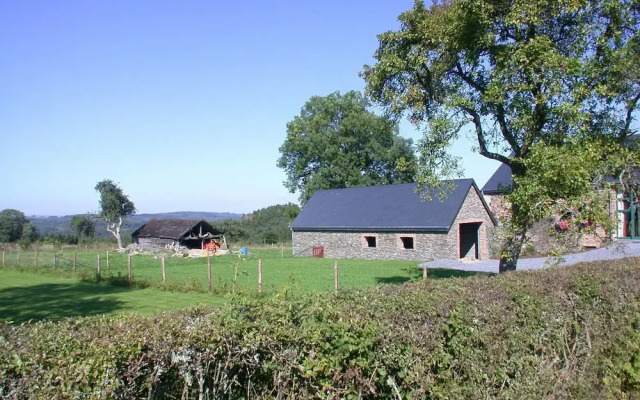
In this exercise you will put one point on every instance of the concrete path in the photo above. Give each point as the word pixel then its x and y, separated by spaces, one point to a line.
pixel 617 250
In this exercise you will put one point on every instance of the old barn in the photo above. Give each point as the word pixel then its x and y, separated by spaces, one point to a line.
pixel 190 233
pixel 394 222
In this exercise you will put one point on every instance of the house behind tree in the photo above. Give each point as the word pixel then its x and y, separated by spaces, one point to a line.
pixel 623 208
pixel 395 222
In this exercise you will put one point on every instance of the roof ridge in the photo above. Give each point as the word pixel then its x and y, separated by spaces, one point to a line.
pixel 392 185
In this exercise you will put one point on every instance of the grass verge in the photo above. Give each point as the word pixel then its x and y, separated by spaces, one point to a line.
pixel 26 296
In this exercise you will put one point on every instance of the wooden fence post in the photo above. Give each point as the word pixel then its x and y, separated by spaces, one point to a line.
pixel 55 261
pixel 335 277
pixel 18 257
pixel 3 259
pixel 282 251
pixel 209 272
pixel 107 260
pixel 164 274
pixel 74 262
pixel 129 267
pixel 260 276
pixel 36 259
pixel 424 271
pixel 98 268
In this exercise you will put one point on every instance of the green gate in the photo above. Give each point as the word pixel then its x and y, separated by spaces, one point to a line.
pixel 629 216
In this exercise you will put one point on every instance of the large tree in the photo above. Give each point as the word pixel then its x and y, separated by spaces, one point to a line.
pixel 519 73
pixel 337 142
pixel 83 226
pixel 114 207
pixel 12 223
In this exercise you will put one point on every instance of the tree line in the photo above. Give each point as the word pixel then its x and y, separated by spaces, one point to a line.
pixel 267 225
pixel 15 227
pixel 264 226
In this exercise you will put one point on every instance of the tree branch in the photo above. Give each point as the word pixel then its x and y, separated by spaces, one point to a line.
pixel 629 118
pixel 504 129
pixel 480 88
pixel 499 114
pixel 539 114
pixel 482 143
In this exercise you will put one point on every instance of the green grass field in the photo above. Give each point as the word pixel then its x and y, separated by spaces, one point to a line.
pixel 28 296
pixel 232 272
pixel 45 293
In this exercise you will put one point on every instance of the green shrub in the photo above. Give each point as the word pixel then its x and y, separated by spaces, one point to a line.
pixel 559 333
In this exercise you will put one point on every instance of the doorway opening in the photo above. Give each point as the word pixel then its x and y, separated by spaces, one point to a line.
pixel 469 240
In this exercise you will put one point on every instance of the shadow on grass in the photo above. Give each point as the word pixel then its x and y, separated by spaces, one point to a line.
pixel 433 273
pixel 56 301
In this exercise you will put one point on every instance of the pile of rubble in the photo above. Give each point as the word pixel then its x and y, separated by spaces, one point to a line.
pixel 169 251
pixel 172 250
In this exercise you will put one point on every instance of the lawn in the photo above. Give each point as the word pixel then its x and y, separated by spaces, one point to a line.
pixel 28 296
pixel 279 270
pixel 45 293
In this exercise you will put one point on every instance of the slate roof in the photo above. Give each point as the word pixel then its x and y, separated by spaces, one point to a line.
pixel 171 228
pixel 388 208
pixel 500 181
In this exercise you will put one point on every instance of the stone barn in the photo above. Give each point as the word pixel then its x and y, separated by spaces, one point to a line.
pixel 394 222
pixel 190 233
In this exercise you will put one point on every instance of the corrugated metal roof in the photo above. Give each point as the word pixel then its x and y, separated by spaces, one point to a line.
pixel 394 208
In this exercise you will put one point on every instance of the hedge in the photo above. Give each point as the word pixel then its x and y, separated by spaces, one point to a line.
pixel 558 333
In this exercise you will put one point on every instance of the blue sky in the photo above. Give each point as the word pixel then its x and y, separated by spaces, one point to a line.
pixel 184 104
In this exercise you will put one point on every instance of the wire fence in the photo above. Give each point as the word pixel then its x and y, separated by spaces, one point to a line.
pixel 258 271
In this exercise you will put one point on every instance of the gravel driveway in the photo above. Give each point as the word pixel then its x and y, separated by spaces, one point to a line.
pixel 619 249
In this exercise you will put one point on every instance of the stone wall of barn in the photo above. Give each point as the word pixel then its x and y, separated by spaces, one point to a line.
pixel 153 243
pixel 392 246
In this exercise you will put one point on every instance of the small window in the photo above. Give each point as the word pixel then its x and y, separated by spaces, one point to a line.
pixel 371 241
pixel 407 242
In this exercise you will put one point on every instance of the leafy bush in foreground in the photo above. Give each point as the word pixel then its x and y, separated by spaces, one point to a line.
pixel 559 333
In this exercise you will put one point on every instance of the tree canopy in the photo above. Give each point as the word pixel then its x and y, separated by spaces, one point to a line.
pixel 12 224
pixel 336 142
pixel 519 73
pixel 83 226
pixel 114 207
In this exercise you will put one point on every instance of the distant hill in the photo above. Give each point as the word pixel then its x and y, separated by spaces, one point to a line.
pixel 60 225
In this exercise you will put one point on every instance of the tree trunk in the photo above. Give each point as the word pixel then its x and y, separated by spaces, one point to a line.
pixel 114 228
pixel 117 235
pixel 511 253
pixel 512 247
pixel 511 250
